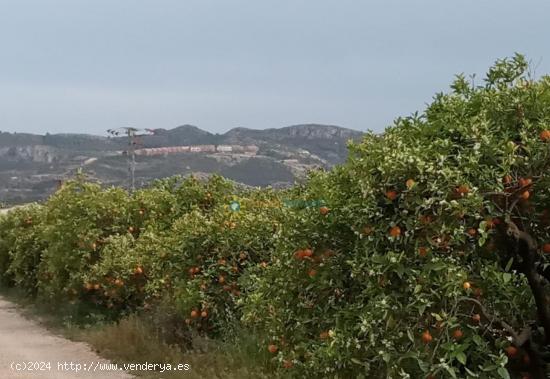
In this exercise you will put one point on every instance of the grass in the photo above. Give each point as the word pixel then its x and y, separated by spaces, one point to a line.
pixel 136 339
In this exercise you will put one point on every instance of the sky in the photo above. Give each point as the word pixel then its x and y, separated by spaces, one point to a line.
pixel 85 66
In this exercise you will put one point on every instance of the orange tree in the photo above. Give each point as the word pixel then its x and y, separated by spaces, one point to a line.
pixel 21 247
pixel 430 257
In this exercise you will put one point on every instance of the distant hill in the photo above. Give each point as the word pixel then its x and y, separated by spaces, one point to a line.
pixel 32 165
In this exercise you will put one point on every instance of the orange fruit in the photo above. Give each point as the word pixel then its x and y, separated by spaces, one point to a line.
pixel 324 211
pixel 204 314
pixel 462 189
pixel 410 183
pixel 546 248
pixel 272 349
pixel 524 182
pixel 476 318
pixel 458 334
pixel 427 337
pixel 312 273
pixel 307 253
pixel 221 279
pixel 422 251
pixel 395 231
pixel 299 254
pixel 525 195
pixel 391 195
pixel 472 232
pixel 511 351
pixel 131 229
pixel 138 270
pixel 466 285
pixel 545 135
pixel 194 313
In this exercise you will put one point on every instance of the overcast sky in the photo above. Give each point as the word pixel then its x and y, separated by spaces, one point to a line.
pixel 88 65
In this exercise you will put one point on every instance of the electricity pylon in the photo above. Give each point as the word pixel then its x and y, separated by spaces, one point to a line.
pixel 131 152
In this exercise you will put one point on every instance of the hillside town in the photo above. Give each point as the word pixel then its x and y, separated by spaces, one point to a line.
pixel 238 149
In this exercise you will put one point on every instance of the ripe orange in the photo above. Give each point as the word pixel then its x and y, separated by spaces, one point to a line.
pixel 525 195
pixel 221 279
pixel 524 182
pixel 395 231
pixel 119 283
pixel 194 313
pixel 307 253
pixel 96 286
pixel 458 334
pixel 391 195
pixel 462 189
pixel 204 314
pixel 138 270
pixel 511 351
pixel 545 135
pixel 546 248
pixel 410 183
pixel 272 349
pixel 324 211
pixel 476 318
pixel 472 232
pixel 427 337
pixel 466 285
pixel 422 251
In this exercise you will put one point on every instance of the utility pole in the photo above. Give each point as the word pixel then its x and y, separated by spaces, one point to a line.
pixel 132 135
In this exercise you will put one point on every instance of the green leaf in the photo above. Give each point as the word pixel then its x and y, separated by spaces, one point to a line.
pixel 503 373
pixel 461 357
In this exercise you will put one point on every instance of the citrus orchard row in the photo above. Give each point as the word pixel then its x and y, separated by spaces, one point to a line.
pixel 428 258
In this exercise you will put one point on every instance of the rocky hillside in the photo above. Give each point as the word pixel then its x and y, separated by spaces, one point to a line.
pixel 31 166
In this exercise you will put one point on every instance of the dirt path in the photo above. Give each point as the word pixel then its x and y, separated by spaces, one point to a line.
pixel 23 341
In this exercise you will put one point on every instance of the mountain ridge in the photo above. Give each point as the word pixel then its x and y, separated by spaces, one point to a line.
pixel 31 165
